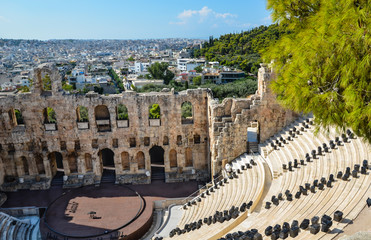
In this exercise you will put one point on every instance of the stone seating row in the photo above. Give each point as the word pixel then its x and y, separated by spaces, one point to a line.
pixel 245 185
pixel 351 152
pixel 14 229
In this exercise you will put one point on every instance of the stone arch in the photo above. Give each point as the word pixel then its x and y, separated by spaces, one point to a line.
pixel 39 164
pixel 82 114
pixel 173 158
pixel 56 162
pixel 102 117
pixel 165 141
pixel 25 167
pixel 188 157
pixel 15 117
pixel 154 111
pixel 46 82
pixel 88 163
pixel 107 157
pixel 49 115
pixel 125 161
pixel 140 159
pixel 187 112
pixel 72 162
pixel 122 112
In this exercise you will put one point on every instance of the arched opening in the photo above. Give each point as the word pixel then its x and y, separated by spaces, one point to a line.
pixel 72 162
pixel 56 167
pixel 188 157
pixel 107 160
pixel 102 118
pixel 46 82
pixel 122 112
pixel 140 159
pixel 82 114
pixel 39 164
pixel 173 158
pixel 25 165
pixel 187 113
pixel 88 163
pixel 49 115
pixel 122 116
pixel 125 161
pixel 154 115
pixel 157 163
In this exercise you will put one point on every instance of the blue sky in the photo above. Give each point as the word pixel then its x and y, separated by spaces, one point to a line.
pixel 127 19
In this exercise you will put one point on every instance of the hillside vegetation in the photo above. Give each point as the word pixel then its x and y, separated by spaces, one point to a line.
pixel 241 50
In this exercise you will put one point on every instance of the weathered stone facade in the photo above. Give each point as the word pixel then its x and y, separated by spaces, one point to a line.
pixel 192 149
pixel 230 119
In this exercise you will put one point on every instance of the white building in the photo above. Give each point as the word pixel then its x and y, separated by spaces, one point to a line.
pixel 141 66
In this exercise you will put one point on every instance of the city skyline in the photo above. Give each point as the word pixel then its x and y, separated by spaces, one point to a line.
pixel 43 20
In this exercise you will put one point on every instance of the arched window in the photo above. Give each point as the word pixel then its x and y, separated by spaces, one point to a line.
pixel 154 111
pixel 49 115
pixel 18 116
pixel 46 83
pixel 15 117
pixel 125 161
pixel 187 113
pixel 82 114
pixel 173 158
pixel 102 117
pixel 188 157
pixel 72 162
pixel 39 164
pixel 122 112
pixel 88 163
pixel 140 159
pixel 25 165
pixel 166 140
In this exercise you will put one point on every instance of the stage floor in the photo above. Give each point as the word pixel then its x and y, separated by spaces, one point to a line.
pixel 94 210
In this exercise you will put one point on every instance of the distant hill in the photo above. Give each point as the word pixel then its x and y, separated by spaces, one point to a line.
pixel 241 50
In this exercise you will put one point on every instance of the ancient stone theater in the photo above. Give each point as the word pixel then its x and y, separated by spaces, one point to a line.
pixel 269 172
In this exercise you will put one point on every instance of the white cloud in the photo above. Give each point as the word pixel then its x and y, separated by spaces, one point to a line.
pixel 202 15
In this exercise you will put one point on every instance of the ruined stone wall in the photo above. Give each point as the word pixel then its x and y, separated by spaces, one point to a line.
pixel 193 149
pixel 231 118
pixel 31 141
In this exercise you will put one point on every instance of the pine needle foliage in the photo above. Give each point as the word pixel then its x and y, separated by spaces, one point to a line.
pixel 324 65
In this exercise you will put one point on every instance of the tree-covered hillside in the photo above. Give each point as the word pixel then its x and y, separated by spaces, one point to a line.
pixel 241 50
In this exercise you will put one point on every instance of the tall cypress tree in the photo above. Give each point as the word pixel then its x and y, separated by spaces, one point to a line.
pixel 324 65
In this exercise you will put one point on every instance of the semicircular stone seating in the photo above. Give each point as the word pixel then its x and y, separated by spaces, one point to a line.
pixel 12 228
pixel 247 186
pixel 346 196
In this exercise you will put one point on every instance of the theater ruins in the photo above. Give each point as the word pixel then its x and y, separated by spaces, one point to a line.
pixel 44 136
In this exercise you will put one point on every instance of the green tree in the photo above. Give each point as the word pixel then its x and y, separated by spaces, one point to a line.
pixel 197 80
pixel 324 65
pixel 67 87
pixel 24 89
pixel 51 116
pixel 122 112
pixel 18 116
pixel 198 69
pixel 186 110
pixel 161 71
pixel 98 89
pixel 131 59
pixel 83 114
pixel 154 111
pixel 47 83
